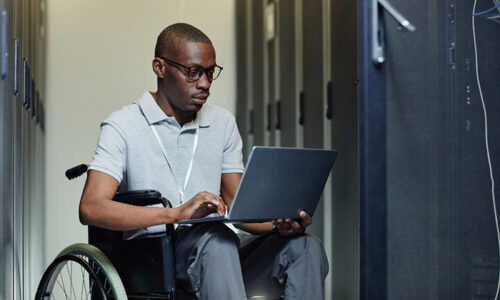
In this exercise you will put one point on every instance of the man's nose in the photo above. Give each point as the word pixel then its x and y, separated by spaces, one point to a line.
pixel 203 83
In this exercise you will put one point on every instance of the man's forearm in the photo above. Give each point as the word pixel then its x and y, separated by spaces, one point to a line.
pixel 118 216
pixel 255 228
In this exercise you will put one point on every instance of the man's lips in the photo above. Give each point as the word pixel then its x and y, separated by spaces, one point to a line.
pixel 201 96
pixel 200 99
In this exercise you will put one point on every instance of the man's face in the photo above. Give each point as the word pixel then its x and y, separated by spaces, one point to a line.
pixel 182 93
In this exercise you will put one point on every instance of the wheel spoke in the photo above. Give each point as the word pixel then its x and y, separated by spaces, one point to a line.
pixel 109 291
pixel 70 283
pixel 84 284
pixel 62 288
pixel 72 288
pixel 91 286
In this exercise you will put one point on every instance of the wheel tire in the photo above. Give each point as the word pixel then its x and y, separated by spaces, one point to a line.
pixel 94 265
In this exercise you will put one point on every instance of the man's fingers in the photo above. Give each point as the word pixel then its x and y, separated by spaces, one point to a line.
pixel 218 205
pixel 297 227
pixel 285 229
pixel 306 219
pixel 214 202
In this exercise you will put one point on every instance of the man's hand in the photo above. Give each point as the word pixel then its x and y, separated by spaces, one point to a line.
pixel 202 204
pixel 289 227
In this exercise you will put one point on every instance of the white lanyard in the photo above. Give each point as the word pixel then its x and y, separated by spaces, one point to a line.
pixel 188 174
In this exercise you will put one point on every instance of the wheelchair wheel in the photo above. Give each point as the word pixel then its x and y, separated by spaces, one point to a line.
pixel 81 271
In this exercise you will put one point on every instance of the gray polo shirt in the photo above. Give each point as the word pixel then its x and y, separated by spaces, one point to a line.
pixel 128 150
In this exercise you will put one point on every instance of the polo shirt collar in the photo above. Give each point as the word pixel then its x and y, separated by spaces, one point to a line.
pixel 153 113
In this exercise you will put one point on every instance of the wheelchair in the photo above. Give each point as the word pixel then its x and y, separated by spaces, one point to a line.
pixel 112 268
pixel 109 267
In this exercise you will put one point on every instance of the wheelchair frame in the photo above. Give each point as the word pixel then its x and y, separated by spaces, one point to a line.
pixel 121 269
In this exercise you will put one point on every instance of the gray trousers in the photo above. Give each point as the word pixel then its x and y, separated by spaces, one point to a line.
pixel 215 263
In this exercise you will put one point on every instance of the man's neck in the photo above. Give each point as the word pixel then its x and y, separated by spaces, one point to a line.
pixel 181 116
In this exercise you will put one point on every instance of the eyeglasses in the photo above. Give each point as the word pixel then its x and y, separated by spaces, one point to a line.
pixel 196 72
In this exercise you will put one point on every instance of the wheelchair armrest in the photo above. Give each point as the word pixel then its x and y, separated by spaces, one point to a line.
pixel 142 198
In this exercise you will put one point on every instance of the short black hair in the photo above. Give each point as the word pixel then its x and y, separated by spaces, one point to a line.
pixel 175 34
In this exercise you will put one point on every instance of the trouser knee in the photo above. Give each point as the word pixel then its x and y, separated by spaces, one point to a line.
pixel 307 243
pixel 311 249
pixel 221 240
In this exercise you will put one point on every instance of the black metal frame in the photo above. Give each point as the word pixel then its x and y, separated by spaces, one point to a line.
pixel 146 266
pixel 372 159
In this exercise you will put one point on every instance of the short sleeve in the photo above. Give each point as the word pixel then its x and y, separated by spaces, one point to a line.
pixel 233 157
pixel 110 155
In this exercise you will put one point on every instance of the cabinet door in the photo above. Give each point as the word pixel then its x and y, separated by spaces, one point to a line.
pixel 259 96
pixel 315 78
pixel 6 164
pixel 427 197
pixel 243 104
pixel 343 112
pixel 290 72
pixel 19 148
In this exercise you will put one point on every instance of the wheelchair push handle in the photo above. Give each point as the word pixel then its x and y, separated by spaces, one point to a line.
pixel 76 171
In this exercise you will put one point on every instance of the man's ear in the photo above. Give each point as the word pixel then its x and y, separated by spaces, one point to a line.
pixel 158 68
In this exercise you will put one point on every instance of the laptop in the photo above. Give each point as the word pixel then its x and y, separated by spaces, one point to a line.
pixel 278 183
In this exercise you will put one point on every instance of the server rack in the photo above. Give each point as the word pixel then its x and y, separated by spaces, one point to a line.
pixel 259 109
pixel 343 111
pixel 316 73
pixel 290 72
pixel 406 113
pixel 435 211
pixel 6 164
pixel 21 107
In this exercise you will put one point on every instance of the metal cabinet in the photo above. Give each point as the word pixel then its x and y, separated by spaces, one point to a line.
pixel 313 101
pixel 290 72
pixel 21 90
pixel 343 113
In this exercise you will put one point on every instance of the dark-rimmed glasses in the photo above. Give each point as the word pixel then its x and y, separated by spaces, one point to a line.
pixel 194 73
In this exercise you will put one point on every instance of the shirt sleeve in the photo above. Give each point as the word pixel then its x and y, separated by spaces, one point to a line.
pixel 233 157
pixel 110 155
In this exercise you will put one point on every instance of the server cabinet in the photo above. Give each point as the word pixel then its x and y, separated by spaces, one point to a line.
pixel 18 149
pixel 6 165
pixel 259 109
pixel 21 166
pixel 242 63
pixel 313 99
pixel 344 136
pixel 271 74
pixel 435 218
pixel 372 159
pixel 290 72
pixel 245 78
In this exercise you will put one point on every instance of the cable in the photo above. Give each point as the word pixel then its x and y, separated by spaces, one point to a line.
pixel 486 11
pixel 494 20
pixel 486 139
pixel 489 15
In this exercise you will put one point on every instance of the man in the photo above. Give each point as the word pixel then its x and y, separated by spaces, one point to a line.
pixel 171 141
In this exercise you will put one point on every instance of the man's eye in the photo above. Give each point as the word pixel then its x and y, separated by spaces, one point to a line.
pixel 195 72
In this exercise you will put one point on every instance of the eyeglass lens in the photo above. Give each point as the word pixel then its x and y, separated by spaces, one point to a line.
pixel 196 73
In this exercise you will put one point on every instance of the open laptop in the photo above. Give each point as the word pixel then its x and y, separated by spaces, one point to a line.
pixel 278 183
